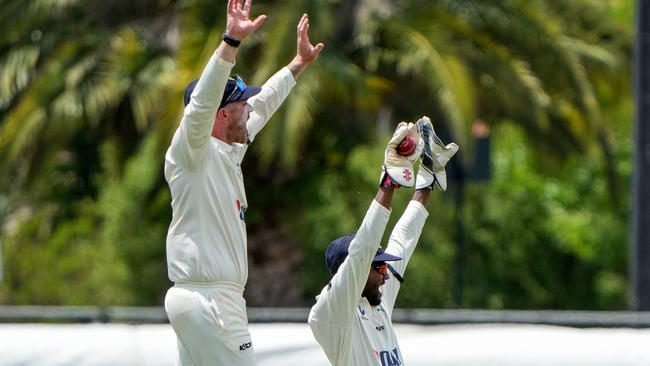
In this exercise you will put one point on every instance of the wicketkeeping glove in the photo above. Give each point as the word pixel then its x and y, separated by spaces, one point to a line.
pixel 434 157
pixel 398 169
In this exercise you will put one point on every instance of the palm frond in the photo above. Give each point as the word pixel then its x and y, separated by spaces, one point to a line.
pixel 17 71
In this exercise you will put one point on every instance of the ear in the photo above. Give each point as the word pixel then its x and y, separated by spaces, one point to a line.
pixel 222 113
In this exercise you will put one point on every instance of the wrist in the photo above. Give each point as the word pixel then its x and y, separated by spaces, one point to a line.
pixel 386 182
pixel 297 66
pixel 230 39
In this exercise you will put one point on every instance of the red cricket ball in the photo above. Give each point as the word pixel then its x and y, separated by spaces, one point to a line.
pixel 407 146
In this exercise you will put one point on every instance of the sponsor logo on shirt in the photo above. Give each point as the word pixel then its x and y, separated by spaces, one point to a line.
pixel 238 169
pixel 241 209
pixel 380 327
pixel 389 358
pixel 246 346
pixel 362 312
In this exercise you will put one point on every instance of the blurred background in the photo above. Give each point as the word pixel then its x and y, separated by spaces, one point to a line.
pixel 538 94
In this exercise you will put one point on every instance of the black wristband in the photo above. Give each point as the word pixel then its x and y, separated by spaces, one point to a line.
pixel 229 40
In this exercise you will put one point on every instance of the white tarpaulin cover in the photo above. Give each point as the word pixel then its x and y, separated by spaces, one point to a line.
pixel 293 344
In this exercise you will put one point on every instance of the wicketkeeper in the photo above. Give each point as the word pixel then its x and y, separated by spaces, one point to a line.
pixel 351 319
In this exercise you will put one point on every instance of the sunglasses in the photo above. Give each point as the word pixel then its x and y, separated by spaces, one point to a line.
pixel 381 268
pixel 237 92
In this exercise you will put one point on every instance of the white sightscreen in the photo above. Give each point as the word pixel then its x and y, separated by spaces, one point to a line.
pixel 293 344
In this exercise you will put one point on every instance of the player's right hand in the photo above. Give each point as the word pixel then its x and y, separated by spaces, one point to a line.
pixel 398 169
pixel 238 23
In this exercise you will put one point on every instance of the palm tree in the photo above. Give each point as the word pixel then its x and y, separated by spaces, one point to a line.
pixel 90 97
pixel 82 83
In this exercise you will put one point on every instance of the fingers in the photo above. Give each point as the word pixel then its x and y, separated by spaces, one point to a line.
pixel 259 21
pixel 303 19
pixel 237 5
pixel 247 6
pixel 401 131
pixel 303 24
pixel 319 47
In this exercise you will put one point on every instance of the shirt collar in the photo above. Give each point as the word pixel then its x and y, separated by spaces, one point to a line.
pixel 221 144
pixel 235 146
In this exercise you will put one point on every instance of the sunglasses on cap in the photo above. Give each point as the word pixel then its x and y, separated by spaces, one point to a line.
pixel 238 91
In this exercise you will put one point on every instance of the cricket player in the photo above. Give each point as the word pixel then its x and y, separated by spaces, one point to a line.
pixel 351 319
pixel 206 241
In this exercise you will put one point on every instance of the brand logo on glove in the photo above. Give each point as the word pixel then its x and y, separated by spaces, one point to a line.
pixel 407 175
pixel 245 346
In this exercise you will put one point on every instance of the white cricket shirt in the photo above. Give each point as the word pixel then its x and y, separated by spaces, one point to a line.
pixel 206 241
pixel 350 331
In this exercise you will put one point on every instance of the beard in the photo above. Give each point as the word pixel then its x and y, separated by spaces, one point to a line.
pixel 373 296
pixel 240 132
pixel 242 121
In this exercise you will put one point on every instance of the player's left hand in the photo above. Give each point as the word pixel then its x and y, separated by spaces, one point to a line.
pixel 398 169
pixel 306 52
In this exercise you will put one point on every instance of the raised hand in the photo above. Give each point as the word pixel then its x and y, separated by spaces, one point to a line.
pixel 306 52
pixel 398 169
pixel 238 23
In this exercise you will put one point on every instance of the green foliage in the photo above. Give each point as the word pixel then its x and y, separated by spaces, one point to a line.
pixel 90 96
pixel 62 264
pixel 538 241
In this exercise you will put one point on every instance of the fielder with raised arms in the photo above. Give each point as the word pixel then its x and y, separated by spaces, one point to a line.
pixel 206 241
pixel 351 319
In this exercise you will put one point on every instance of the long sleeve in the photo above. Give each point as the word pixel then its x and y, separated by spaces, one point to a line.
pixel 332 316
pixel 189 146
pixel 402 242
pixel 266 103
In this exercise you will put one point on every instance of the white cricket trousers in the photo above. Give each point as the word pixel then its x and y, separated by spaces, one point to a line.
pixel 210 323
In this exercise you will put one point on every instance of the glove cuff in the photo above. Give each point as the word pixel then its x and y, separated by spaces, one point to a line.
pixel 424 179
pixel 397 177
pixel 386 182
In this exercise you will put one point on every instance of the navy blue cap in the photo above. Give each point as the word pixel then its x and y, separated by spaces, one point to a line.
pixel 337 251
pixel 236 90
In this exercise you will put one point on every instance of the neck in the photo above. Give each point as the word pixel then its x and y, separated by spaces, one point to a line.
pixel 227 135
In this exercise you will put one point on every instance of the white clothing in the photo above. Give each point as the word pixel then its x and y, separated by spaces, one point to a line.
pixel 206 241
pixel 348 328
pixel 210 323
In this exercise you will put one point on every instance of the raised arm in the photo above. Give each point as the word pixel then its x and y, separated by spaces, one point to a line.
pixel 406 233
pixel 277 88
pixel 189 145
pixel 338 303
pixel 403 240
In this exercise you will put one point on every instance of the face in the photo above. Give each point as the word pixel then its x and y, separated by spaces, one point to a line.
pixel 235 122
pixel 376 278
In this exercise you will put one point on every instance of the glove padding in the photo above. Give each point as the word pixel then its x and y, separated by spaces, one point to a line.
pixel 435 156
pixel 398 169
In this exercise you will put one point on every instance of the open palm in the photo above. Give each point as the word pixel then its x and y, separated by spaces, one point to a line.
pixel 306 51
pixel 238 23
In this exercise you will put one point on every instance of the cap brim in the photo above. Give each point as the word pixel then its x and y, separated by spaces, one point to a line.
pixel 249 92
pixel 384 257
